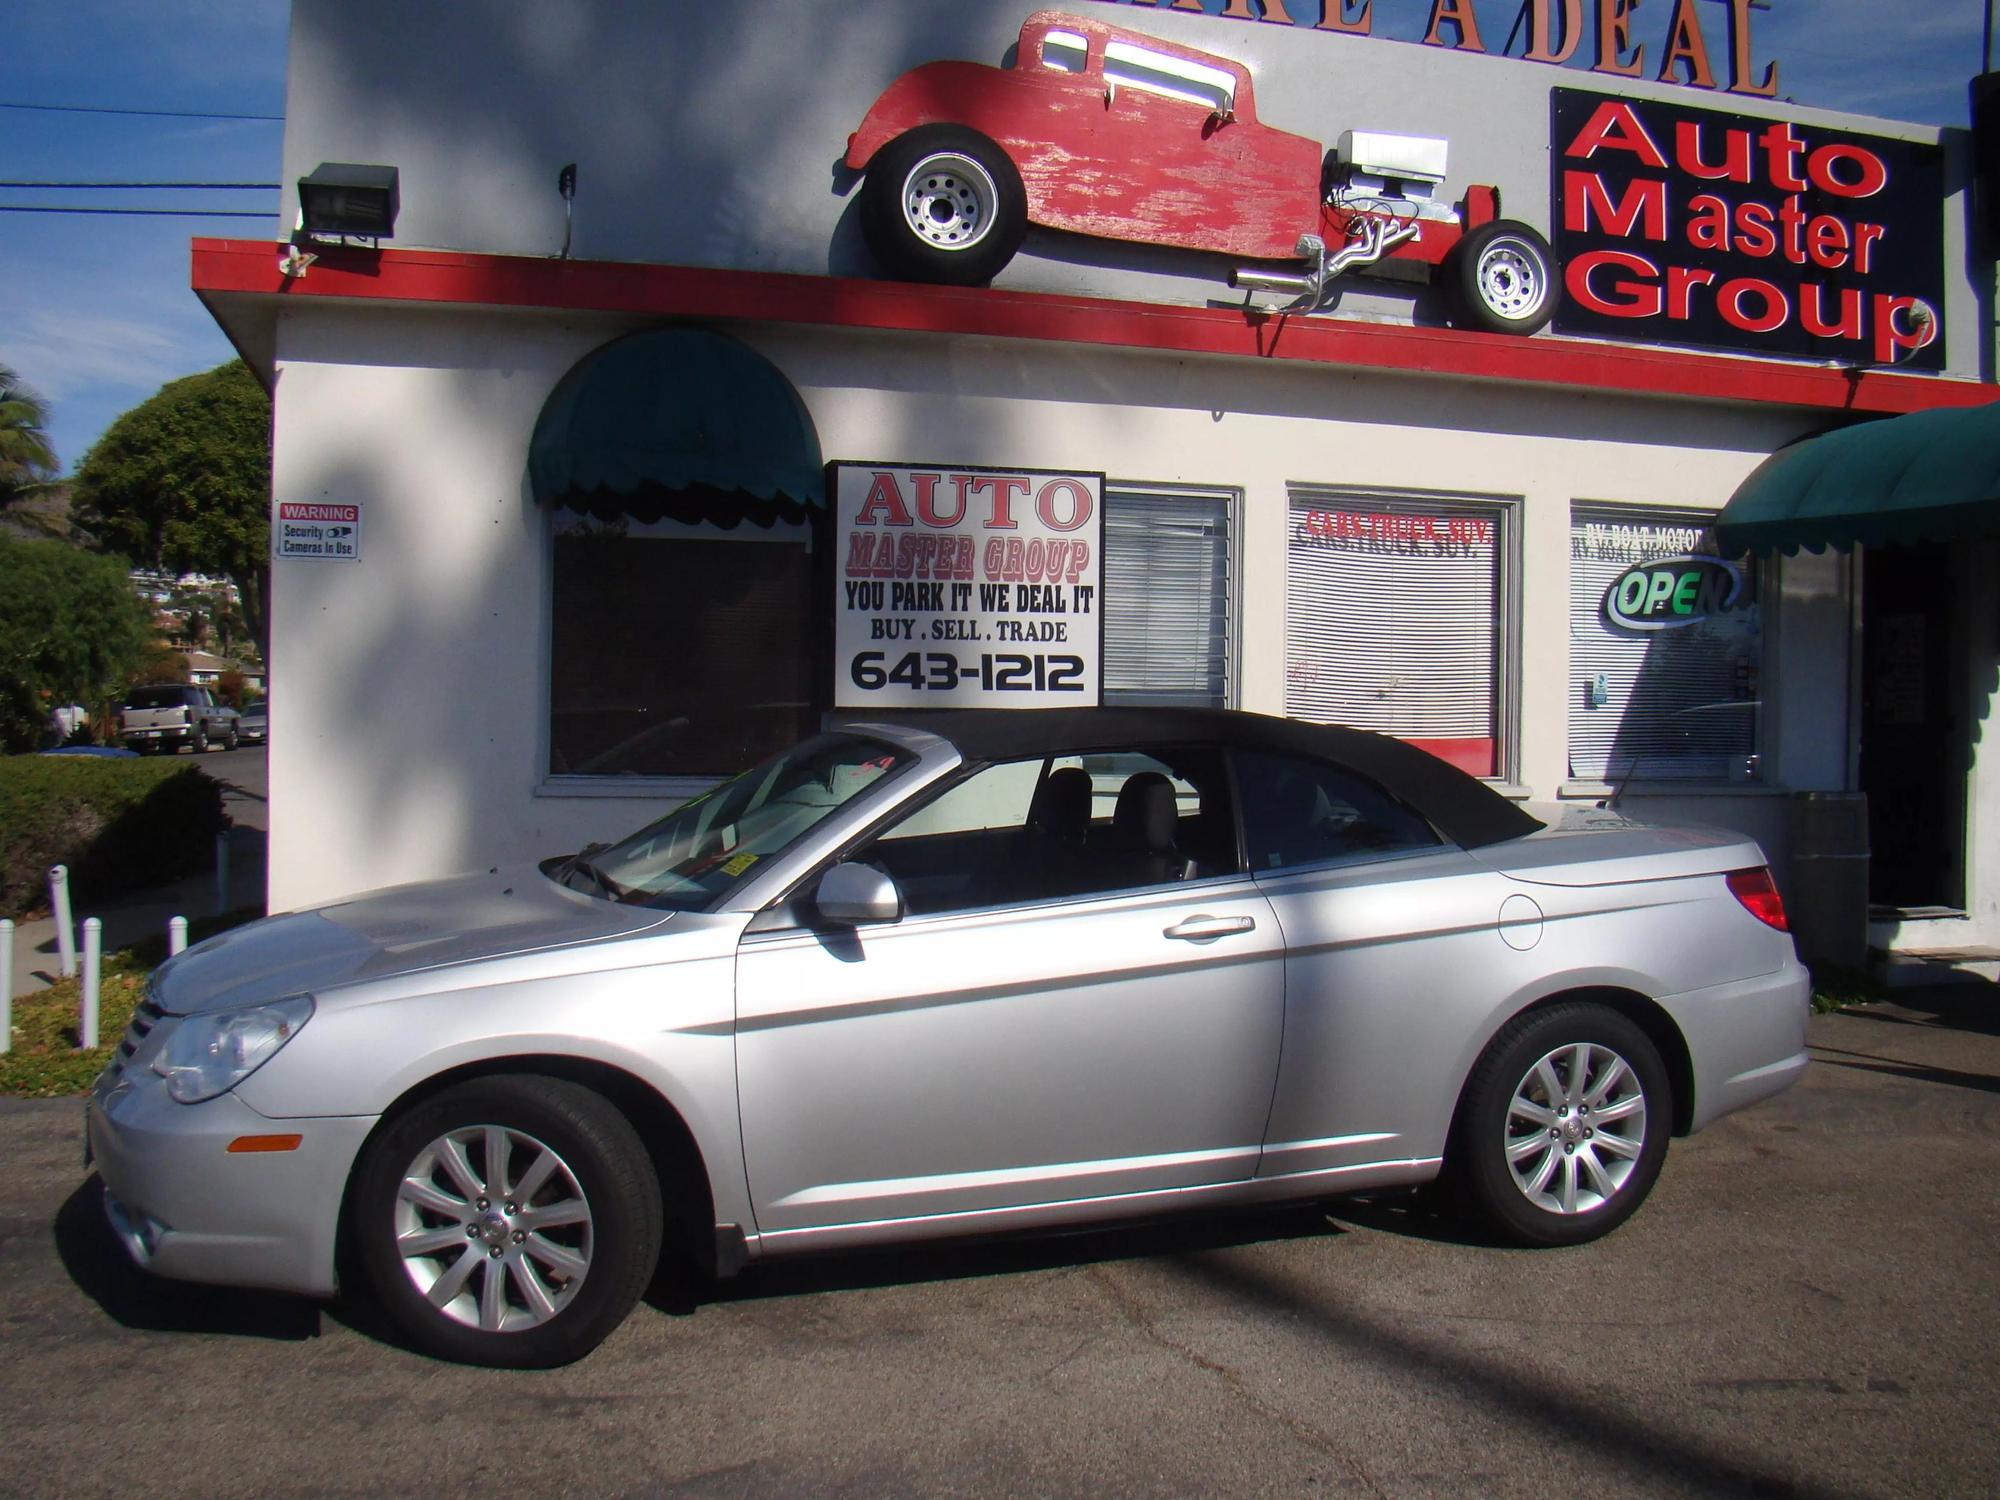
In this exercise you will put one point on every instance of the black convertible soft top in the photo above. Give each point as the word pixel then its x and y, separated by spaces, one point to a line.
pixel 1462 808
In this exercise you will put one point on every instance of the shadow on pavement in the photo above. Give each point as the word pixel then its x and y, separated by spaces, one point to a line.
pixel 133 1298
pixel 1965 1006
pixel 1868 1062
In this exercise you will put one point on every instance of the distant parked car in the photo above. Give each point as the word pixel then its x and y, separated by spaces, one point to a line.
pixel 252 726
pixel 954 974
pixel 168 717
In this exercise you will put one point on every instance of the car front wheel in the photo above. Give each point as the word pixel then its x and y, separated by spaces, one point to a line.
pixel 510 1221
pixel 1563 1126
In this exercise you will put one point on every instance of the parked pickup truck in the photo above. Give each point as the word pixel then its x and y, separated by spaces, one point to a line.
pixel 166 718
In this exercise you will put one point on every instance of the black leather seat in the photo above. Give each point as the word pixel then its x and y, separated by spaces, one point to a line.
pixel 1144 827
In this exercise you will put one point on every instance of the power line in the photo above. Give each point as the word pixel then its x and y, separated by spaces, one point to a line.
pixel 170 213
pixel 159 114
pixel 221 186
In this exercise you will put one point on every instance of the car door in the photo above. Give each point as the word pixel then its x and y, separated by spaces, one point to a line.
pixel 1056 1016
pixel 1394 963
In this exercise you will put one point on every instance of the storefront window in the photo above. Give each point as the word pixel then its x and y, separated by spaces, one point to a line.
pixel 1665 649
pixel 1166 597
pixel 1394 613
pixel 679 649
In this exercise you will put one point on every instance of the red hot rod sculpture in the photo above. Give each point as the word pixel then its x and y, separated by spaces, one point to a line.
pixel 1103 131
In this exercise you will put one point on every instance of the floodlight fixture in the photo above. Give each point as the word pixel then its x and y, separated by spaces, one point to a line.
pixel 339 198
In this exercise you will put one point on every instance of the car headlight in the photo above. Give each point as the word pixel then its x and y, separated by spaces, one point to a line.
pixel 210 1054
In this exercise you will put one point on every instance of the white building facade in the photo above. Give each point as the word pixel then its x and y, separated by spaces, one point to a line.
pixel 559 536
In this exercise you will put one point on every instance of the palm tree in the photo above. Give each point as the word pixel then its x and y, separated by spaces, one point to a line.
pixel 26 459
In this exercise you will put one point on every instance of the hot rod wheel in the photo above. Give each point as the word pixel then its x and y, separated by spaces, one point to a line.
pixel 943 204
pixel 1501 278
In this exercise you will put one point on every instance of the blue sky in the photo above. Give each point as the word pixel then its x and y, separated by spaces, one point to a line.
pixel 95 312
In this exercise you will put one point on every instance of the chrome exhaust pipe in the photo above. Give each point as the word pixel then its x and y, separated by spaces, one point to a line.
pixel 1246 279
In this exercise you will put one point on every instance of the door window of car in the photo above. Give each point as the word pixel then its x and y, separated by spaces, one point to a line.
pixel 1130 66
pixel 1301 812
pixel 1027 832
pixel 1065 51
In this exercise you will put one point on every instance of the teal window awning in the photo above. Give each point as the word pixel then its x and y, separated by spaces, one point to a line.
pixel 680 424
pixel 1930 476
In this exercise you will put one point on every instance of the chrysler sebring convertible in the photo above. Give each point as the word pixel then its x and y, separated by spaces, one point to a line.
pixel 956 974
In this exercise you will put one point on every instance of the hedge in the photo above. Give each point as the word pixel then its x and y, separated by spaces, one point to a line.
pixel 120 825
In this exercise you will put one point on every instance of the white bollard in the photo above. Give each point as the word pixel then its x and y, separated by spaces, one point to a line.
pixel 6 983
pixel 93 951
pixel 222 872
pixel 65 928
pixel 177 935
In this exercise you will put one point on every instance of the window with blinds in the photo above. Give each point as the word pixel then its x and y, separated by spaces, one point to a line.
pixel 1167 602
pixel 1394 619
pixel 1678 702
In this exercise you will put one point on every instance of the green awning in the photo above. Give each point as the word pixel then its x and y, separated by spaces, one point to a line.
pixel 1931 476
pixel 683 424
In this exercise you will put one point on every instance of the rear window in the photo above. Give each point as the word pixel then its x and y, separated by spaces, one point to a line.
pixel 160 697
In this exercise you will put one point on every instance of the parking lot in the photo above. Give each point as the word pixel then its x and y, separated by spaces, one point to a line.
pixel 1806 1307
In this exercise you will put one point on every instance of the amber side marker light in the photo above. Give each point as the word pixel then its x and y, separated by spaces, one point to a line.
pixel 265 1143
pixel 1759 895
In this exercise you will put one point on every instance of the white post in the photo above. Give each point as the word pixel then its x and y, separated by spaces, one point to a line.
pixel 222 872
pixel 6 983
pixel 177 935
pixel 93 951
pixel 65 928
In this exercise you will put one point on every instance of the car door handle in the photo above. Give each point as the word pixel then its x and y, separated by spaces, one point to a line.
pixel 1207 929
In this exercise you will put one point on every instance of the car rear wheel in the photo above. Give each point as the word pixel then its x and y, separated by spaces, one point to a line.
pixel 510 1221
pixel 199 744
pixel 943 204
pixel 1563 1125
pixel 1502 279
pixel 231 738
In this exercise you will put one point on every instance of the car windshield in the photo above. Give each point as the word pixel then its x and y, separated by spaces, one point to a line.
pixel 705 847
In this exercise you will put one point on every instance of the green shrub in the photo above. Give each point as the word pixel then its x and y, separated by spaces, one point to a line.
pixel 119 825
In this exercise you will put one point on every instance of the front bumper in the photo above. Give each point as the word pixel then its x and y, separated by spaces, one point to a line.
pixel 1747 1039
pixel 186 1206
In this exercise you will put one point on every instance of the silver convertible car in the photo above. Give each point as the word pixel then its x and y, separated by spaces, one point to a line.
pixel 957 974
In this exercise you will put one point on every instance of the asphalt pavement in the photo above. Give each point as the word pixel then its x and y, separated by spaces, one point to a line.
pixel 140 914
pixel 1807 1307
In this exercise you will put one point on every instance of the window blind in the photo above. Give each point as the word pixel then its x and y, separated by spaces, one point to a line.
pixel 1392 620
pixel 1166 599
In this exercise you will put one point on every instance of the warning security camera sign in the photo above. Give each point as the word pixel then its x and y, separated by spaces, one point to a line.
pixel 326 532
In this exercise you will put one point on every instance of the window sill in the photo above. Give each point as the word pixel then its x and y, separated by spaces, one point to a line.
pixel 650 788
pixel 1513 791
pixel 1597 791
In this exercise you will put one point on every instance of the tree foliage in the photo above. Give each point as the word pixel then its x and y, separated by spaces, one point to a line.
pixel 70 632
pixel 183 482
pixel 26 459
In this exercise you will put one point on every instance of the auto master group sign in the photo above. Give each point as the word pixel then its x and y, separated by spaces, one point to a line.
pixel 960 587
pixel 1691 226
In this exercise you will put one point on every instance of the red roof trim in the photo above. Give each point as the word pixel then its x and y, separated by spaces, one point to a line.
pixel 450 277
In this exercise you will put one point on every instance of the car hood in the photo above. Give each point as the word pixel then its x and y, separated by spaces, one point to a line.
pixel 1597 846
pixel 514 909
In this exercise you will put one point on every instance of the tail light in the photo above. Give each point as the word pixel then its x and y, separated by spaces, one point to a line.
pixel 1759 895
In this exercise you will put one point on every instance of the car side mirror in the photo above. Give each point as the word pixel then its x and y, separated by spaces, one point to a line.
pixel 852 894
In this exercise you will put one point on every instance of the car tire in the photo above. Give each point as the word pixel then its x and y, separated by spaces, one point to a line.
pixel 943 204
pixel 1563 1125
pixel 1502 279
pixel 231 738
pixel 198 742
pixel 499 1290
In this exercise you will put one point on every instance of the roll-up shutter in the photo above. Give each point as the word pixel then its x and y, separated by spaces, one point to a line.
pixel 1392 619
pixel 1166 598
pixel 1675 704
